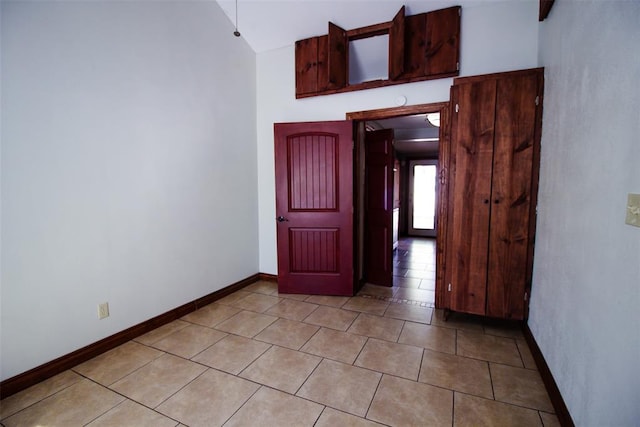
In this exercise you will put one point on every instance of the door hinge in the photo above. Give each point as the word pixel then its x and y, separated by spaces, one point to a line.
pixel 537 100
pixel 443 175
pixel 449 287
pixel 457 107
pixel 458 66
pixel 526 296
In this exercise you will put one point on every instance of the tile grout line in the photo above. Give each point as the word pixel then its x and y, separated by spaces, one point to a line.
pixel 176 392
pixel 107 411
pixel 493 392
pixel 453 407
pixel 404 323
pixel 360 314
pixel 373 397
pixel 359 353
pixel 243 403
pixel 541 419
pixel 45 397
pixel 530 408
pixel 309 376
pixel 125 397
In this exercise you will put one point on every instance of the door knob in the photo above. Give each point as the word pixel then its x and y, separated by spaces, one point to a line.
pixel 282 219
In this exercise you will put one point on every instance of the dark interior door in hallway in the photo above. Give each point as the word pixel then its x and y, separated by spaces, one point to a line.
pixel 378 242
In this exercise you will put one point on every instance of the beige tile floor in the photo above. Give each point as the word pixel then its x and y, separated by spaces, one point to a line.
pixel 260 358
pixel 414 275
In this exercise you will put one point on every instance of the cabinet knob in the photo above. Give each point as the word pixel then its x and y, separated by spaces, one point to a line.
pixel 486 201
pixel 496 201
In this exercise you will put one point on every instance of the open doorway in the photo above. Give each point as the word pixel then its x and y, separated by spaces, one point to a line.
pixel 419 140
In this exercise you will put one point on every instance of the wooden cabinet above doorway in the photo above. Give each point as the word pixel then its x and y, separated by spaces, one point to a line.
pixel 421 47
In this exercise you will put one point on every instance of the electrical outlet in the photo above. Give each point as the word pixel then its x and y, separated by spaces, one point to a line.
pixel 633 209
pixel 103 310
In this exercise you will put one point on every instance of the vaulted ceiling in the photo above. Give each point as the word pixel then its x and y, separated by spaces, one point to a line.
pixel 272 24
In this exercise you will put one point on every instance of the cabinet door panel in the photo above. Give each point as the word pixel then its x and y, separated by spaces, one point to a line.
pixel 471 165
pixel 511 195
pixel 337 57
pixel 323 63
pixel 307 66
pixel 396 46
pixel 415 30
pixel 443 41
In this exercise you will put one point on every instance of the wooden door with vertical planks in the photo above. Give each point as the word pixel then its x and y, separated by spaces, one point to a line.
pixel 494 163
pixel 511 192
pixel 314 207
pixel 472 134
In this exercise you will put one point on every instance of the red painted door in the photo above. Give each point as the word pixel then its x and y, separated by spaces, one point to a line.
pixel 378 241
pixel 314 207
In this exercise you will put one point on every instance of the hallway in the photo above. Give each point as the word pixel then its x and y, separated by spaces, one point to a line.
pixel 414 274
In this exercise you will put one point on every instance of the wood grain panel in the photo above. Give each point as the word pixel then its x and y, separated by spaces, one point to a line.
pixel 442 41
pixel 421 47
pixel 312 172
pixel 443 210
pixel 314 250
pixel 307 66
pixel 415 33
pixel 386 113
pixel 470 190
pixel 498 76
pixel 511 196
pixel 396 45
pixel 338 60
pixel 323 63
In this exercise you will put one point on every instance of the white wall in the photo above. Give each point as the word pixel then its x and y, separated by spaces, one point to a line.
pixel 128 167
pixel 585 297
pixel 498 36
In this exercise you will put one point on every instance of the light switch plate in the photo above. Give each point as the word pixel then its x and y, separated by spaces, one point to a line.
pixel 633 209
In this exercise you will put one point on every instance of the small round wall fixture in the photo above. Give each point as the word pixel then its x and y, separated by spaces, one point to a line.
pixel 401 100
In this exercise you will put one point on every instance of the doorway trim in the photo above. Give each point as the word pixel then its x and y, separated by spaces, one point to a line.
pixel 444 108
